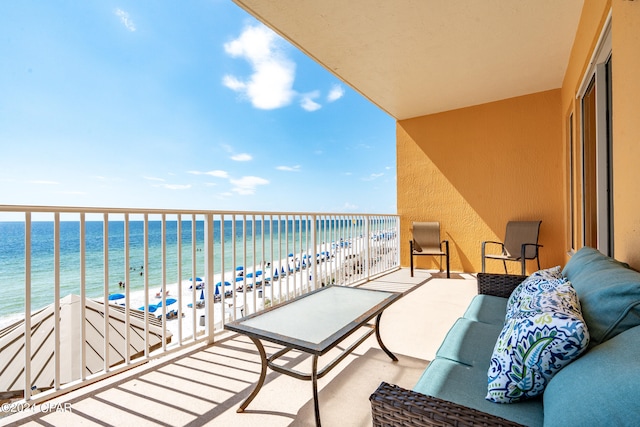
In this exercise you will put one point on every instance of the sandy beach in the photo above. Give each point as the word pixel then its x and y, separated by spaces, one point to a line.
pixel 252 294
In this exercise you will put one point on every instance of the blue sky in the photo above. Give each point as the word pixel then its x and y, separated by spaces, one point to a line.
pixel 181 105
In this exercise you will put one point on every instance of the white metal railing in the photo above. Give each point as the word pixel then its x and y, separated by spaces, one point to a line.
pixel 180 274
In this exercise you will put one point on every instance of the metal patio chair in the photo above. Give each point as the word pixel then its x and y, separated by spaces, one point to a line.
pixel 520 244
pixel 426 241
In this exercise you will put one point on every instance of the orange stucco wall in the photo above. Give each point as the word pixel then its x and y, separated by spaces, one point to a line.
pixel 476 168
pixel 626 130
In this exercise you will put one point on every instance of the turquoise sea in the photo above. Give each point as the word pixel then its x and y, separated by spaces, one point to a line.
pixel 12 254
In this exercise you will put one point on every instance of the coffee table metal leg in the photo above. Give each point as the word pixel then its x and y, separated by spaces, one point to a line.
pixel 382 346
pixel 263 375
pixel 314 381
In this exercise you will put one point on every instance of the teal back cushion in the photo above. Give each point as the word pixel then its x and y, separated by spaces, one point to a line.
pixel 601 388
pixel 609 293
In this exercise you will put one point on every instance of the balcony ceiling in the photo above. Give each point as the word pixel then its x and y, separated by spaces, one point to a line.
pixel 418 57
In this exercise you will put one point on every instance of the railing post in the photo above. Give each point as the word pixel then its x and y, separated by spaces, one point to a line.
pixel 367 247
pixel 397 240
pixel 27 306
pixel 56 299
pixel 314 258
pixel 105 249
pixel 209 277
pixel 146 284
pixel 163 280
pixel 83 297
pixel 179 275
pixel 127 293
pixel 194 274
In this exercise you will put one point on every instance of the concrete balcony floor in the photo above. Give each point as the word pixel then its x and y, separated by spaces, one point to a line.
pixel 204 386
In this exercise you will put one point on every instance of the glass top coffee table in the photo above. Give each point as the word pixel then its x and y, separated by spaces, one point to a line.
pixel 314 323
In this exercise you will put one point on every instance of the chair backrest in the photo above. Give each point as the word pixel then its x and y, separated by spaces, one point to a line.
pixel 426 236
pixel 518 233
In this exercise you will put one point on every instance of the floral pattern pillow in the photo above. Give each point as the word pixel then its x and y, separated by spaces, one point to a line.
pixel 542 279
pixel 543 332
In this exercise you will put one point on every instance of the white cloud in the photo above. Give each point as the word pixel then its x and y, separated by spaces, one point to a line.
pixel 270 85
pixel 233 83
pixel 373 176
pixel 247 184
pixel 43 182
pixel 218 174
pixel 126 20
pixel 72 193
pixel 215 173
pixel 307 102
pixel 335 93
pixel 176 186
pixel 242 157
pixel 295 168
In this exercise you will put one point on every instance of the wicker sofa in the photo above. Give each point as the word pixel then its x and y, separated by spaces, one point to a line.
pixel 601 387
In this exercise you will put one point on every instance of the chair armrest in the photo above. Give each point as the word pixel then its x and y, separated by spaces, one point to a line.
pixel 524 250
pixel 395 406
pixel 493 243
pixel 499 285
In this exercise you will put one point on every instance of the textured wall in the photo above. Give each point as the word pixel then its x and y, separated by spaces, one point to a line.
pixel 476 168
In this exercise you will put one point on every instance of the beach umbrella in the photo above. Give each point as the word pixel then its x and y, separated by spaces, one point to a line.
pixel 239 268
pixel 239 279
pixel 114 297
pixel 225 283
pixel 202 294
pixel 169 301
pixel 197 279
pixel 275 273
pixel 152 308
pixel 259 273
pixel 291 255
pixel 249 274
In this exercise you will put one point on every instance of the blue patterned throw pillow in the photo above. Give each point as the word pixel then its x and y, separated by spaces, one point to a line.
pixel 532 285
pixel 543 332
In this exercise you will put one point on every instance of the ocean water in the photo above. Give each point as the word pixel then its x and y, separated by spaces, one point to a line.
pixel 12 254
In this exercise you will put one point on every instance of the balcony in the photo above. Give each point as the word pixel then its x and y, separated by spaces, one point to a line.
pixel 204 384
pixel 137 286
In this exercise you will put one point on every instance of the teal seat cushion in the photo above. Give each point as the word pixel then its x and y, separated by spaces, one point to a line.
pixel 608 291
pixel 602 388
pixel 469 342
pixel 487 309
pixel 467 385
